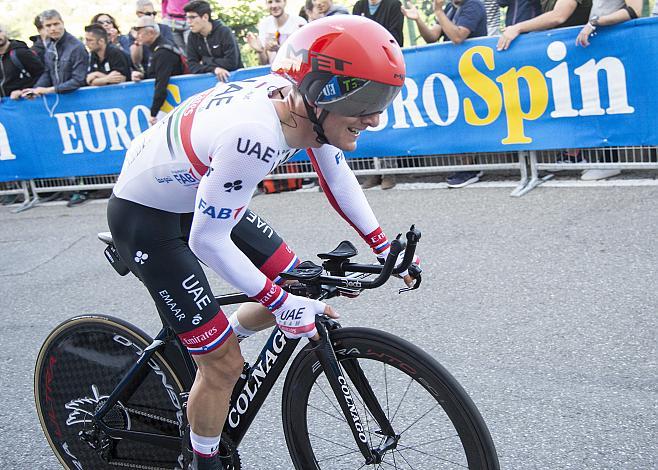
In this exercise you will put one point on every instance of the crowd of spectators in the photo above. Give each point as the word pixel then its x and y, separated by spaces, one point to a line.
pixel 190 39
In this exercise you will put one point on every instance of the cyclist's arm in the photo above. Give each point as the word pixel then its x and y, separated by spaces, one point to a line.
pixel 346 196
pixel 219 208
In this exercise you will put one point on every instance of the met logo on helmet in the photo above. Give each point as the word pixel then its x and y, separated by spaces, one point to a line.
pixel 294 58
pixel 326 63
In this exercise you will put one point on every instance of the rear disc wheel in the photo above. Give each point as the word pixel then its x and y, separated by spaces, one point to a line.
pixel 78 367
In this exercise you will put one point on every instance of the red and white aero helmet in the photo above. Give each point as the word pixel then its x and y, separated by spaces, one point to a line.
pixel 345 64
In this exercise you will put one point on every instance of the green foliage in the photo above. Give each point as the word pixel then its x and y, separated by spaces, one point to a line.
pixel 242 18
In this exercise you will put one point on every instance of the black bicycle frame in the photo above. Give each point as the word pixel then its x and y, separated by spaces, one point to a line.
pixel 252 389
pixel 248 396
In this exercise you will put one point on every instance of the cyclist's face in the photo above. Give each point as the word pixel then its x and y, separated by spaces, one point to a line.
pixel 342 131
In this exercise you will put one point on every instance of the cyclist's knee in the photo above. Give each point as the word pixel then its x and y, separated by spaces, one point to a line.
pixel 221 368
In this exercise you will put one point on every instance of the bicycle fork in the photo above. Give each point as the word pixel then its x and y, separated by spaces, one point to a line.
pixel 326 355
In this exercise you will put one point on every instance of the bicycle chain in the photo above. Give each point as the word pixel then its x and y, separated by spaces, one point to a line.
pixel 137 465
pixel 152 416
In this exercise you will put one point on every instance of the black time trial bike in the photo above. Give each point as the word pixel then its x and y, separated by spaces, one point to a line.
pixel 108 396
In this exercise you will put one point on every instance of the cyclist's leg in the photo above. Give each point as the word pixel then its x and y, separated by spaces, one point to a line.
pixel 269 253
pixel 152 243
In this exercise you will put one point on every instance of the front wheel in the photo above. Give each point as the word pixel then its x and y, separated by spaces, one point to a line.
pixel 78 367
pixel 438 425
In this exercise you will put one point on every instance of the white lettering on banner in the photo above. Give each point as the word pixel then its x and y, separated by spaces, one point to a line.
pixel 67 133
pixel 79 133
pixel 135 126
pixel 116 128
pixel 589 87
pixel 99 130
pixel 408 104
pixel 429 100
pixel 5 148
pixel 559 76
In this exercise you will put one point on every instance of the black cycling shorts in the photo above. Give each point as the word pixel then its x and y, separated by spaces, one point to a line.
pixel 153 243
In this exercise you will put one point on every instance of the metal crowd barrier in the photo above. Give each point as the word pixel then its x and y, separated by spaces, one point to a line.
pixel 426 164
pixel 528 164
pixel 10 188
pixel 613 158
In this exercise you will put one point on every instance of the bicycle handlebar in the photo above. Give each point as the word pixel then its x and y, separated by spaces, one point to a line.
pixel 413 236
pixel 315 278
pixel 384 272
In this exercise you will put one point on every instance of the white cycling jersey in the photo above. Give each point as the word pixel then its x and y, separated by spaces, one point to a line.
pixel 208 157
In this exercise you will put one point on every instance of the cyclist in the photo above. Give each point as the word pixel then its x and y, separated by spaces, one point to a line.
pixel 185 185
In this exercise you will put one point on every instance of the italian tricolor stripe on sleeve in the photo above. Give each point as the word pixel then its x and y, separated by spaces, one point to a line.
pixel 271 296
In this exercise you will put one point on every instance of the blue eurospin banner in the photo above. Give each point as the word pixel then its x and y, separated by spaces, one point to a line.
pixel 542 93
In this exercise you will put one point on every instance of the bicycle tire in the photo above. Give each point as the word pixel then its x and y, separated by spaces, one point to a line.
pixel 318 436
pixel 79 364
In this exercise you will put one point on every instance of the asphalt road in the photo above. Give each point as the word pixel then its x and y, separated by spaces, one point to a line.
pixel 543 307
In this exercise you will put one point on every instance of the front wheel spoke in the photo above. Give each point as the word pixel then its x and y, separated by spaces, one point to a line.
pixel 442 459
pixel 333 457
pixel 402 457
pixel 322 438
pixel 421 417
pixel 331 401
pixel 367 422
pixel 338 418
pixel 384 462
pixel 342 419
pixel 414 447
pixel 404 395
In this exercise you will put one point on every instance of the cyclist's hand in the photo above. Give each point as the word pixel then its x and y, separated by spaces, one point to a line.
pixel 408 279
pixel 404 275
pixel 296 316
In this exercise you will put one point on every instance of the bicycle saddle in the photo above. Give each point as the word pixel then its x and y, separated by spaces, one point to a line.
pixel 342 252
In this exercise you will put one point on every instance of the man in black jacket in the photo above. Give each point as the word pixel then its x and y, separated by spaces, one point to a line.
pixel 387 13
pixel 66 59
pixel 141 56
pixel 19 66
pixel 39 40
pixel 165 62
pixel 108 64
pixel 211 46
